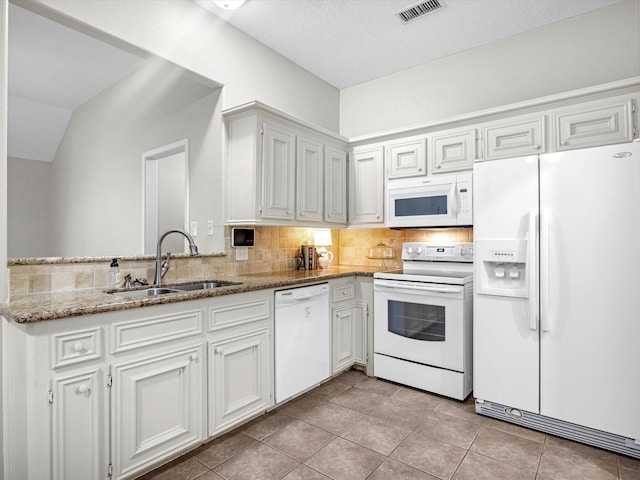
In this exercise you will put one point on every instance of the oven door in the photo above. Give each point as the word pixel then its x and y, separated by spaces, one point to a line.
pixel 420 322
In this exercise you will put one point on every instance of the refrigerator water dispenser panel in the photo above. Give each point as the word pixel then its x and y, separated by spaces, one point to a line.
pixel 504 267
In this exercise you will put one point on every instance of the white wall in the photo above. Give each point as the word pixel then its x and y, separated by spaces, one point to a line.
pixel 587 50
pixel 97 182
pixel 190 36
pixel 29 208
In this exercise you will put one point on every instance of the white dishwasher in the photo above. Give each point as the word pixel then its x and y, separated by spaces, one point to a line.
pixel 302 339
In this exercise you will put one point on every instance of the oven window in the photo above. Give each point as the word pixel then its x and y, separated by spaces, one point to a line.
pixel 416 320
pixel 410 207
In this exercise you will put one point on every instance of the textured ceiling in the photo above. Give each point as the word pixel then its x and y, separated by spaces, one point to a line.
pixel 346 42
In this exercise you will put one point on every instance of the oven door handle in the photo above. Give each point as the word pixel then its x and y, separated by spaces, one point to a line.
pixel 422 288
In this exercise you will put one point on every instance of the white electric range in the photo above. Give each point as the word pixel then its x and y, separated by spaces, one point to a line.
pixel 423 319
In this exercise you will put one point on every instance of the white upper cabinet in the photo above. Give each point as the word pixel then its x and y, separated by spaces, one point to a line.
pixel 601 122
pixel 514 138
pixel 275 169
pixel 335 185
pixel 406 157
pixel 278 171
pixel 452 150
pixel 309 172
pixel 366 185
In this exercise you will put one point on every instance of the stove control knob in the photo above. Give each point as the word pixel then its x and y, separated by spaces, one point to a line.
pixel 409 250
pixel 419 250
pixel 471 251
pixel 463 251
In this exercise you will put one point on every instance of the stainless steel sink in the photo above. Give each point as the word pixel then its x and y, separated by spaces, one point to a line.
pixel 147 292
pixel 203 285
pixel 158 291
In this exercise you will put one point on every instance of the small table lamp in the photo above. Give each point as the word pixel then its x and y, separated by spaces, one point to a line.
pixel 322 239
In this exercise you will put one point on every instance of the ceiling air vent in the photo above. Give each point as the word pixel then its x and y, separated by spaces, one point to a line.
pixel 418 10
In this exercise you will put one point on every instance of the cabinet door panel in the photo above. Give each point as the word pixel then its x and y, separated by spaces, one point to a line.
pixel 158 408
pixel 309 168
pixel 335 185
pixel 79 433
pixel 601 122
pixel 238 378
pixel 514 139
pixel 343 337
pixel 452 150
pixel 407 158
pixel 278 172
pixel 367 186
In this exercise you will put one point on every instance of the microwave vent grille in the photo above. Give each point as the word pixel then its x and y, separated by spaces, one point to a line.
pixel 418 10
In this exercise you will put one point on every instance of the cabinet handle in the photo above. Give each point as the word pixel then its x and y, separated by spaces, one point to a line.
pixel 84 388
pixel 78 347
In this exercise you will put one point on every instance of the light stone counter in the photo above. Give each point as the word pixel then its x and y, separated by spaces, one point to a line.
pixel 38 307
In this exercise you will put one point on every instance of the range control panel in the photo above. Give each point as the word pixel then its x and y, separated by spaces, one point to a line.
pixel 442 252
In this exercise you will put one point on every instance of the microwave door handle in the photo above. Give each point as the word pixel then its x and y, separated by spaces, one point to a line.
pixel 453 194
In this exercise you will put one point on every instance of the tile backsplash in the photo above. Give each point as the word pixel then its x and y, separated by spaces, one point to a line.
pixel 276 249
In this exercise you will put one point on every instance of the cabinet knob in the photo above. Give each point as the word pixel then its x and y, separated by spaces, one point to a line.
pixel 78 347
pixel 84 388
pixel 564 142
pixel 420 169
pixel 301 214
pixel 218 350
pixel 194 356
pixel 438 166
pixel 536 147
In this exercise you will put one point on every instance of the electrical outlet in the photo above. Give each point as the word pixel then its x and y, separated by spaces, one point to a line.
pixel 194 229
pixel 242 253
pixel 210 228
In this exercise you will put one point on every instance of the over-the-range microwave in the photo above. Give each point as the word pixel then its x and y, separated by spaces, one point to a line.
pixel 438 201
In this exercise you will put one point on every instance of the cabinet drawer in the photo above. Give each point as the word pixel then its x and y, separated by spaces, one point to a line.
pixel 594 124
pixel 514 139
pixel 226 316
pixel 71 348
pixel 126 336
pixel 342 292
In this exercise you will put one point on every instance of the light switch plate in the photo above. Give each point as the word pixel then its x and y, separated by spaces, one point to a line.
pixel 242 253
pixel 194 229
pixel 210 228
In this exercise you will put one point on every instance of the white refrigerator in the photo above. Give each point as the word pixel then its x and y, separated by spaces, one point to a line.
pixel 556 304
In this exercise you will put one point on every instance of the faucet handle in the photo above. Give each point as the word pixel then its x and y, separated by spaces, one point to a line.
pixel 165 265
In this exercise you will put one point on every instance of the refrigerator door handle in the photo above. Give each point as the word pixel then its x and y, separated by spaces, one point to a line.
pixel 532 263
pixel 545 265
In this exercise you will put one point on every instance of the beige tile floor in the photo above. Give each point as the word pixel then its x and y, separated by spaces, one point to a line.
pixel 355 427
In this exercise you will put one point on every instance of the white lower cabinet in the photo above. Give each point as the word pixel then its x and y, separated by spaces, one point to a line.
pixel 79 431
pixel 157 407
pixel 114 395
pixel 349 316
pixel 239 379
pixel 348 336
pixel 240 358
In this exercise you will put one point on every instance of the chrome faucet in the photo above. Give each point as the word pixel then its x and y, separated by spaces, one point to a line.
pixel 162 269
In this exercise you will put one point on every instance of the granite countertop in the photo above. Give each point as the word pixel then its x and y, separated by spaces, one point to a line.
pixel 38 307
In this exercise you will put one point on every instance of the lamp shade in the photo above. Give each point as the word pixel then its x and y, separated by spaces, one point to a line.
pixel 322 238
